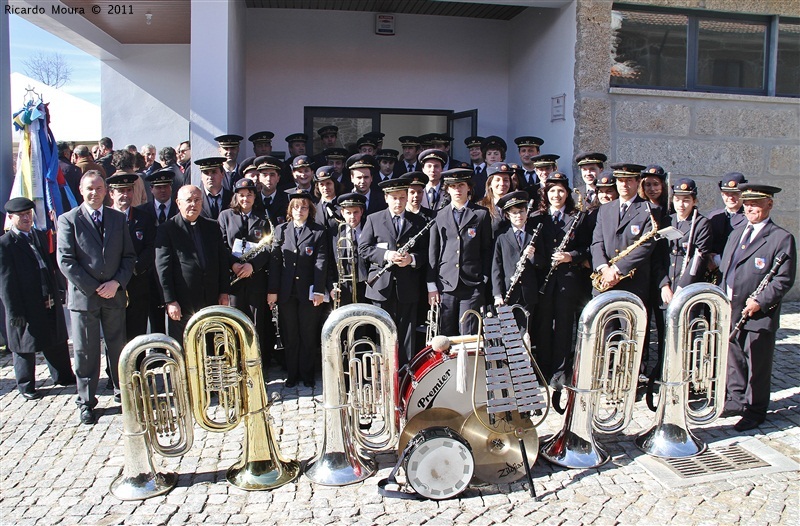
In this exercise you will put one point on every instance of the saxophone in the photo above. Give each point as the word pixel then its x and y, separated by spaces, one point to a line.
pixel 597 276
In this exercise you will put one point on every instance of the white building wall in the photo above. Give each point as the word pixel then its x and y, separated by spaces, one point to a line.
pixel 145 95
pixel 543 66
pixel 297 58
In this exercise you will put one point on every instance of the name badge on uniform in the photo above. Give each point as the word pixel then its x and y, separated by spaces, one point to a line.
pixel 240 246
pixel 309 251
pixel 472 232
pixel 635 230
pixel 139 235
pixel 760 263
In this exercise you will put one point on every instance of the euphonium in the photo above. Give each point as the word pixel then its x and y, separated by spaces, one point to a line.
pixel 695 367
pixel 373 396
pixel 224 359
pixel 346 253
pixel 607 359
pixel 155 414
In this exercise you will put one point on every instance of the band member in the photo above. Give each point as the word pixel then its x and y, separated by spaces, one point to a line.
pixel 192 262
pixel 272 201
pixel 142 230
pixel 216 197
pixel 262 143
pixel 511 245
pixel 229 145
pixel 303 176
pixel 557 307
pixel 387 159
pixel 748 257
pixel 247 234
pixel 528 147
pixel 416 190
pixel 345 254
pixel 460 255
pixel 620 224
pixel 34 318
pixel 411 150
pixel 297 280
pixel 361 166
pixel 543 165
pixel 606 185
pixel 494 149
pixel 498 184
pixel 96 255
pixel 397 289
pixel 478 165
pixel 432 162
pixel 725 220
pixel 326 189
pixel 590 164
pixel 335 158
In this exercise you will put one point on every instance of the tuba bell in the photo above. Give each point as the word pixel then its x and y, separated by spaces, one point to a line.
pixel 224 360
pixel 603 387
pixel 694 371
pixel 372 396
pixel 155 414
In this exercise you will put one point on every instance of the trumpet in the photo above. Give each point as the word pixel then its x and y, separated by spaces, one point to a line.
pixel 432 323
pixel 155 414
pixel 345 253
pixel 373 395
pixel 607 360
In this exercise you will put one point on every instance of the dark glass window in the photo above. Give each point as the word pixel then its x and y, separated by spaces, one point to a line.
pixel 730 54
pixel 787 81
pixel 650 49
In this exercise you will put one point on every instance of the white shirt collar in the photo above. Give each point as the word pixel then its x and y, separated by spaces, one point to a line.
pixel 91 210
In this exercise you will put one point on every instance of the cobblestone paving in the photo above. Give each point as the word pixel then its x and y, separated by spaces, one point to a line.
pixel 55 471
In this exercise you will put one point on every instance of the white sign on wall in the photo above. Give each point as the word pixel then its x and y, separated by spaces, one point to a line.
pixel 557 110
pixel 384 24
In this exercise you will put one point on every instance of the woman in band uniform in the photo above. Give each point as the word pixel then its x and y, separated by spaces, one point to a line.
pixel 498 185
pixel 297 275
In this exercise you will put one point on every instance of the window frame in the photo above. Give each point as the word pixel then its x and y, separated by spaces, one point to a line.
pixel 694 16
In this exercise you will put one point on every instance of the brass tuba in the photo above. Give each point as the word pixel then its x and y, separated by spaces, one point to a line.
pixel 694 371
pixel 224 360
pixel 155 414
pixel 372 395
pixel 603 388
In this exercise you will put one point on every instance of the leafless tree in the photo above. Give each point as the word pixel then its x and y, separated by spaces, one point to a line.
pixel 51 69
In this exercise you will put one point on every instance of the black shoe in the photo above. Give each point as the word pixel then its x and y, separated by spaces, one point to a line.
pixel 110 384
pixel 69 381
pixel 727 413
pixel 35 395
pixel 290 383
pixel 87 416
pixel 746 424
pixel 118 398
pixel 309 383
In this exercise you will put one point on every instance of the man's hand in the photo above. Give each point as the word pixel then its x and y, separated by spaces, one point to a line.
pixel 529 251
pixel 242 270
pixel 223 299
pixel 561 257
pixel 318 299
pixel 272 299
pixel 610 276
pixel 403 260
pixel 750 308
pixel 434 298
pixel 666 294
pixel 174 311
pixel 108 289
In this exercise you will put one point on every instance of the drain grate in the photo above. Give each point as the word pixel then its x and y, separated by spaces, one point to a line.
pixel 713 461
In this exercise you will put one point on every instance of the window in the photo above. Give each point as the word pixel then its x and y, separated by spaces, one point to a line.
pixel 704 51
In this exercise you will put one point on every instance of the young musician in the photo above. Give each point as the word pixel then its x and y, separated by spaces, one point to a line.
pixel 345 254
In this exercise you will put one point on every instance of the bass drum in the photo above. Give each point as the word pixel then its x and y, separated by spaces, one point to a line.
pixel 430 381
pixel 438 463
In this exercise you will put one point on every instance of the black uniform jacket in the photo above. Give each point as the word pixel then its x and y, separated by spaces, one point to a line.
pixel 224 203
pixel 613 235
pixel 150 209
pixel 751 268
pixel 460 253
pixel 232 225
pixel 298 264
pixel 507 253
pixel 379 236
pixel 142 228
pixel 722 225
pixel 552 235
pixel 178 264
pixel 698 248
pixel 21 294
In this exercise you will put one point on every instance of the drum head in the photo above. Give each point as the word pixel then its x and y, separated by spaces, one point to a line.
pixel 439 464
pixel 498 458
pixel 437 416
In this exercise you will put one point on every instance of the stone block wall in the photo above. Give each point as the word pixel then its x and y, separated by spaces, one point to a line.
pixel 691 134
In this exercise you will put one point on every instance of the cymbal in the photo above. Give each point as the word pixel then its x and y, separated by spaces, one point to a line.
pixel 435 416
pixel 498 458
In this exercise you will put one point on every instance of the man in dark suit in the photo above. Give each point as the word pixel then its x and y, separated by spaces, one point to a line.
pixel 142 229
pixel 105 152
pixel 216 197
pixel 169 161
pixel 409 161
pixel 459 256
pixel 528 147
pixel 434 197
pixel 192 262
pixel 72 174
pixel 442 141
pixel 229 145
pixel 96 255
pixel 387 160
pixel 478 165
pixel 336 157
pixel 34 318
pixel 397 290
pixel 273 202
pixel 361 166
pixel 749 255
pixel 725 220
pixel 620 224
pixel 262 143
pixel 590 164
pixel 162 207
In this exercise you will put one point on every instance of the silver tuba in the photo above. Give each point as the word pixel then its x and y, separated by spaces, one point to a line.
pixel 372 396
pixel 224 360
pixel 694 371
pixel 156 414
pixel 346 253
pixel 603 388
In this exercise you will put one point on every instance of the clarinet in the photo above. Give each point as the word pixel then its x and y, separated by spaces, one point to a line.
pixel 561 247
pixel 520 267
pixel 779 259
pixel 402 250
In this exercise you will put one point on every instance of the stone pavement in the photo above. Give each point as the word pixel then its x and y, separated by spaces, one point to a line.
pixel 55 471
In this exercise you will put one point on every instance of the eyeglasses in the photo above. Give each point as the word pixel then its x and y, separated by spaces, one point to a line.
pixel 301 208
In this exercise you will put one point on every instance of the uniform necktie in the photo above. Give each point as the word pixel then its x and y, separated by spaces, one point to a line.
pixel 528 176
pixel 520 239
pixel 478 170
pixel 214 206
pixel 297 231
pixel 557 218
pixel 162 214
pixel 431 198
pixel 622 210
pixel 398 224
pixel 410 167
pixel 737 255
pixel 457 215
pixel 98 224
